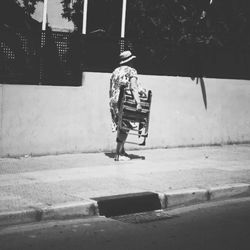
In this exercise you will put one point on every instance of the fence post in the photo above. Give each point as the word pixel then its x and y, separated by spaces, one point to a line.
pixel 123 25
pixel 43 39
pixel 84 21
pixel 45 8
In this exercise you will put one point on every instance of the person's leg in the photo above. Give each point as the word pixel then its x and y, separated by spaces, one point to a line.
pixel 118 150
pixel 123 152
pixel 121 139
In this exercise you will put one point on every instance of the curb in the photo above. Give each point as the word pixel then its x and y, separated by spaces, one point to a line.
pixel 193 196
pixel 81 209
pixel 183 197
pixel 55 212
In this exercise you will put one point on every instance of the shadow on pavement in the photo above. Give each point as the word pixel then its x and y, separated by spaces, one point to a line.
pixel 131 156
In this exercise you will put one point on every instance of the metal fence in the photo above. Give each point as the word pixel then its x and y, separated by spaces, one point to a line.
pixel 60 58
pixel 19 57
pixel 47 58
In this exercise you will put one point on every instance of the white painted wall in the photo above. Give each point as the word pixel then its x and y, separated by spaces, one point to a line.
pixel 1 118
pixel 47 120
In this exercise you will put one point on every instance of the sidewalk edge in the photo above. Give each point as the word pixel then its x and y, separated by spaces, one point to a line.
pixel 62 211
pixel 87 208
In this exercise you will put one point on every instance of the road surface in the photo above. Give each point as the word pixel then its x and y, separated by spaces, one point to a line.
pixel 216 225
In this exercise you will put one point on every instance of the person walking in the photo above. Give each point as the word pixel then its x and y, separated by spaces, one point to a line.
pixel 123 76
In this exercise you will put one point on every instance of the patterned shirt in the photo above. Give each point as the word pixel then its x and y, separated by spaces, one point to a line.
pixel 120 77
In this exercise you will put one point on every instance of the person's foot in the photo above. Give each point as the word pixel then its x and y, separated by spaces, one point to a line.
pixel 121 158
pixel 116 158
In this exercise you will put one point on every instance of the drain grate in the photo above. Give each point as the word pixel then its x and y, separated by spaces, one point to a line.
pixel 128 203
pixel 145 217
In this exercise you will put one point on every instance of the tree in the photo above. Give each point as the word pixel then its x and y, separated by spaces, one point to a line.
pixel 195 21
pixel 103 15
pixel 21 10
pixel 199 21
pixel 28 5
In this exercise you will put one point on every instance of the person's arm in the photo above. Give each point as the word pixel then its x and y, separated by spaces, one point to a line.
pixel 134 89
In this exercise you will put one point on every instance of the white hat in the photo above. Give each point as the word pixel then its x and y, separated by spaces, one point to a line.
pixel 126 56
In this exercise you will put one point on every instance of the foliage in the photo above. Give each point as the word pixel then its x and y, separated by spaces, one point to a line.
pixel 28 5
pixel 103 15
pixel 16 14
pixel 178 21
pixel 213 22
pixel 73 11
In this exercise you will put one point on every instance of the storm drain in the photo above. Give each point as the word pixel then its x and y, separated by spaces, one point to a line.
pixel 128 204
pixel 146 217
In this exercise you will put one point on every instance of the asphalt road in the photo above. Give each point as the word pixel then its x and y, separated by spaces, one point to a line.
pixel 216 225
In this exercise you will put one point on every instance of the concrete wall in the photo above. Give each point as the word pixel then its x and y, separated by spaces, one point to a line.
pixel 1 118
pixel 47 120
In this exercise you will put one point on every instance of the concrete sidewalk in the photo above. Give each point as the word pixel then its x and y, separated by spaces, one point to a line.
pixel 66 186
